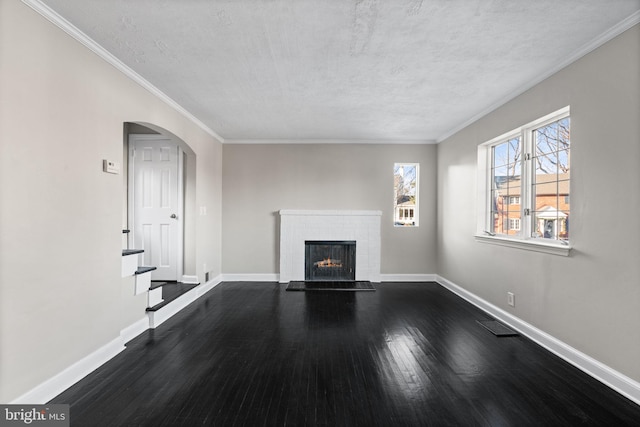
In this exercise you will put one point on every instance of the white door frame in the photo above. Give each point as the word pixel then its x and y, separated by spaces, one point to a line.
pixel 131 201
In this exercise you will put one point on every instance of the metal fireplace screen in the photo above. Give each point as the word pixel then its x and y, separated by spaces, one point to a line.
pixel 330 260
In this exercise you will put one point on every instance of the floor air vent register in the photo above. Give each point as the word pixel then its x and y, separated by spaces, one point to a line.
pixel 497 328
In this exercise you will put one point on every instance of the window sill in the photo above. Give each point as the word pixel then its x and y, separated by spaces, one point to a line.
pixel 530 245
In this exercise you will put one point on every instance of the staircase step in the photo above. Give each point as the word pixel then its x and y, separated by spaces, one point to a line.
pixel 130 263
pixel 126 252
pixel 142 270
pixel 155 285
pixel 174 291
pixel 143 279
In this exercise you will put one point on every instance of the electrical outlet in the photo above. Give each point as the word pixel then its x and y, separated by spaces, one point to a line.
pixel 511 299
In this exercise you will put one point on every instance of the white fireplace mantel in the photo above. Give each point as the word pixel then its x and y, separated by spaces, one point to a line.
pixel 297 226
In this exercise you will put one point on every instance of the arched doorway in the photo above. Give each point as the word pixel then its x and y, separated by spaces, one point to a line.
pixel 160 201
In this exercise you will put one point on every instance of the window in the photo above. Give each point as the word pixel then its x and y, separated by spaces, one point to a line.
pixel 525 184
pixel 550 183
pixel 506 183
pixel 405 201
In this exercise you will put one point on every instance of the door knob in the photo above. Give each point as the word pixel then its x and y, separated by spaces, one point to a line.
pixel 174 216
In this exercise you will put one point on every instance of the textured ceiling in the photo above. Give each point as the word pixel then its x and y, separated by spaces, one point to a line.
pixel 342 69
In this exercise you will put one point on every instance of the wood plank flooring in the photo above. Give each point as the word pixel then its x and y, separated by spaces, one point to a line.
pixel 409 354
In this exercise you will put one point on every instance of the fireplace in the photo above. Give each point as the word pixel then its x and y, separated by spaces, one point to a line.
pixel 330 260
pixel 300 226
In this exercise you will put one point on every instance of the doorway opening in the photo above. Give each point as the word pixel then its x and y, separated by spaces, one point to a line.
pixel 160 189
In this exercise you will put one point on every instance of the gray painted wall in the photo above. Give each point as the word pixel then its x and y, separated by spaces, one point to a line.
pixel 590 300
pixel 62 112
pixel 259 180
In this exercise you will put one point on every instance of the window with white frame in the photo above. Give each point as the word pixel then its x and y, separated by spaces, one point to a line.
pixel 525 184
pixel 405 188
pixel 514 200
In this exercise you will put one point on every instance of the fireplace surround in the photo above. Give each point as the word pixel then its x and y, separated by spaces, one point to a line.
pixel 329 260
pixel 300 226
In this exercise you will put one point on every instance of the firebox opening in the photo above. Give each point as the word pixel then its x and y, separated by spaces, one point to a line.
pixel 330 260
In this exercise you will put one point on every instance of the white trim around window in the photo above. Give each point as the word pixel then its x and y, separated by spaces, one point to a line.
pixel 406 211
pixel 526 236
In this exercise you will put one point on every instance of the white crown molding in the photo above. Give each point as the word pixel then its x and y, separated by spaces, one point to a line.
pixel 603 38
pixel 78 35
pixel 332 141
pixel 596 369
pixel 90 44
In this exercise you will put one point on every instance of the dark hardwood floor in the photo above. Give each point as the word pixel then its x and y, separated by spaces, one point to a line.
pixel 409 354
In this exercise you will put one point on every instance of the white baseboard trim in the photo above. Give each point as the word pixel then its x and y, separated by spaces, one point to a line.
pixel 156 318
pixel 598 370
pixel 267 277
pixel 135 329
pixel 201 290
pixel 52 387
pixel 190 280
pixel 55 385
pixel 408 277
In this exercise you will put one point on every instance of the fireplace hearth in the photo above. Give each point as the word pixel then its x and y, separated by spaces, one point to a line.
pixel 327 260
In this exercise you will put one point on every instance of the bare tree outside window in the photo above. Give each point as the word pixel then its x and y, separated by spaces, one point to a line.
pixel 543 153
pixel 405 183
pixel 550 188
pixel 506 179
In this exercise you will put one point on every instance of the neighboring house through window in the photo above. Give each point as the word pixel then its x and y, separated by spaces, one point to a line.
pixel 514 200
pixel 405 201
pixel 525 177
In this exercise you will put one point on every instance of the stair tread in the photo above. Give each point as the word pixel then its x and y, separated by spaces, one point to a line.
pixel 126 252
pixel 156 285
pixel 142 270
pixel 181 289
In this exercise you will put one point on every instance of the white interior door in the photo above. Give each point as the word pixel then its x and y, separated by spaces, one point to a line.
pixel 156 206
